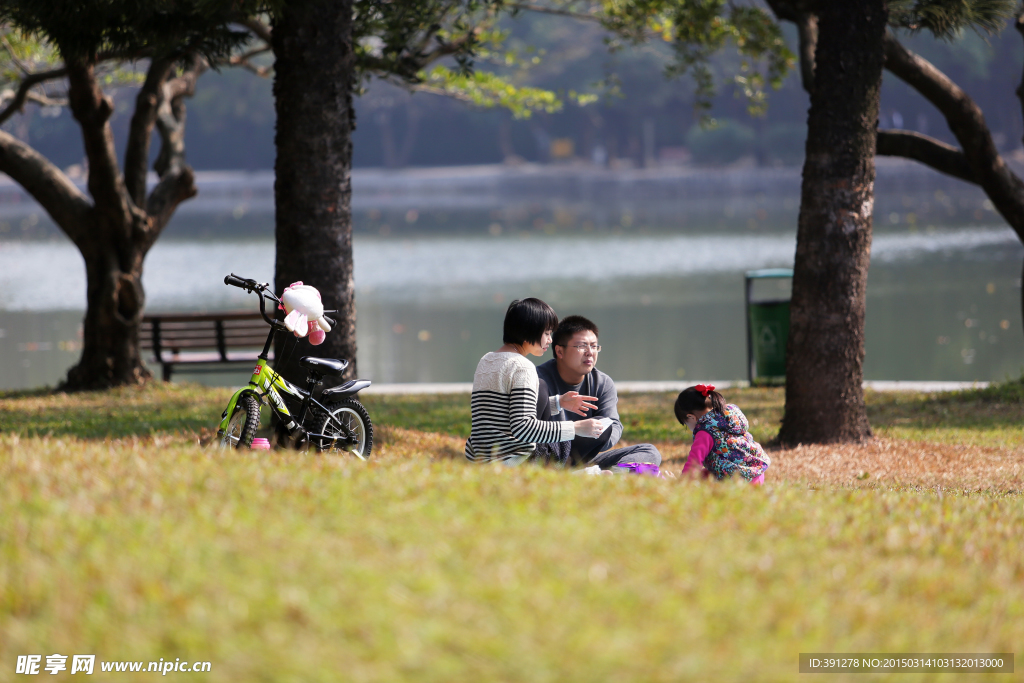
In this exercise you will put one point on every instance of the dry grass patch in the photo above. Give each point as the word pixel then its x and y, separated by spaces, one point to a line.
pixel 395 444
pixel 881 461
pixel 904 463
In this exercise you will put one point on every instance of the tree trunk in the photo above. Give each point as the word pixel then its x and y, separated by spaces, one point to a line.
pixel 313 78
pixel 114 305
pixel 825 355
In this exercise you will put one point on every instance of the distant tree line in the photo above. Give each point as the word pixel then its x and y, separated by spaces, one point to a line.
pixel 231 116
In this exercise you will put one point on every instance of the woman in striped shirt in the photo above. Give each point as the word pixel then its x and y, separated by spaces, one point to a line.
pixel 504 402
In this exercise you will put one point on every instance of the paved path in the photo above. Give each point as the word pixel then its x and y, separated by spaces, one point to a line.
pixel 635 387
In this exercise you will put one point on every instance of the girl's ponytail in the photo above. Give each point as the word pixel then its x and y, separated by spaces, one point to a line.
pixel 716 401
pixel 698 398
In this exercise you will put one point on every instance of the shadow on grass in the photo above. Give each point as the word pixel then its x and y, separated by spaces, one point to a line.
pixel 441 413
pixel 131 411
pixel 998 408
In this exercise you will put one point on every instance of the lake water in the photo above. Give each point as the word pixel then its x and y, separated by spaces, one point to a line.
pixel 943 302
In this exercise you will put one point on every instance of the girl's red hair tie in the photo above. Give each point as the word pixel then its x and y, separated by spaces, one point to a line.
pixel 705 389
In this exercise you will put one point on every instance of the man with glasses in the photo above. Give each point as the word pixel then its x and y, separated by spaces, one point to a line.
pixel 574 368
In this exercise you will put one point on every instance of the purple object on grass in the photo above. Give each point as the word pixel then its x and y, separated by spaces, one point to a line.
pixel 641 468
pixel 260 444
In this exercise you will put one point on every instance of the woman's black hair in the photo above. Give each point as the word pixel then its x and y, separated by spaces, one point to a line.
pixel 526 320
pixel 691 399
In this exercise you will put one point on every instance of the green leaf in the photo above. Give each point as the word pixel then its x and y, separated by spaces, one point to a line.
pixel 488 90
pixel 947 19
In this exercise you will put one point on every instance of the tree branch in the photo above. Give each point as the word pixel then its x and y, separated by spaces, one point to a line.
pixel 45 100
pixel 541 9
pixel 24 92
pixel 41 99
pixel 27 84
pixel 807 29
pixel 92 110
pixel 967 122
pixel 929 151
pixel 9 49
pixel 63 201
pixel 803 14
pixel 243 60
pixel 1019 25
pixel 140 132
pixel 258 28
pixel 407 66
pixel 177 180
pixel 434 90
pixel 445 49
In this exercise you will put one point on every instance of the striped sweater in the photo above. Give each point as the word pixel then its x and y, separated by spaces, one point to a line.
pixel 504 407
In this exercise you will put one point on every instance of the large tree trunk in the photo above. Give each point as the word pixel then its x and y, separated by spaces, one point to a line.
pixel 313 78
pixel 825 355
pixel 114 303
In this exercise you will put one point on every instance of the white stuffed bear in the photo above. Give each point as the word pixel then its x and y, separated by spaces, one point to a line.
pixel 305 312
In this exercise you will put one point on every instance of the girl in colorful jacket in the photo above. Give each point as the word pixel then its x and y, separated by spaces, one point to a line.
pixel 722 446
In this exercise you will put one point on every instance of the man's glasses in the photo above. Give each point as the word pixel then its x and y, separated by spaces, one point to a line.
pixel 583 347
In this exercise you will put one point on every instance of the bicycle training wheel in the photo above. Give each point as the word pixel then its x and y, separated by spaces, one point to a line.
pixel 346 428
pixel 243 423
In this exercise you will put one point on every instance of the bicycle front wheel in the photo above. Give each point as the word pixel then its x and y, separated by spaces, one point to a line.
pixel 346 428
pixel 243 423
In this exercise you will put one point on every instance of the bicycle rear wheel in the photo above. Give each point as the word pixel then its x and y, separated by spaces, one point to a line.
pixel 346 428
pixel 243 423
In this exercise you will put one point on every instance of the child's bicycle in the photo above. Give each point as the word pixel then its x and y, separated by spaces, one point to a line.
pixel 339 424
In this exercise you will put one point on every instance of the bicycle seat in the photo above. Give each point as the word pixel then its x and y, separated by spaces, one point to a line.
pixel 323 366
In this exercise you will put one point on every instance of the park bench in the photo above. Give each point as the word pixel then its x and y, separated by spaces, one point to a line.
pixel 205 342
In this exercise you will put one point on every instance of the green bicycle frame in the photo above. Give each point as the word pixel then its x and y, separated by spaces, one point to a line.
pixel 265 384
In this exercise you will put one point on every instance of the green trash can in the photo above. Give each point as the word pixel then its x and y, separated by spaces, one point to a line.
pixel 767 330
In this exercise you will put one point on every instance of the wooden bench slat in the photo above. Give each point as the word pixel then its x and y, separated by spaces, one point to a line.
pixel 210 331
pixel 254 344
pixel 209 325
pixel 212 357
pixel 210 334
pixel 250 343
pixel 201 317
pixel 186 334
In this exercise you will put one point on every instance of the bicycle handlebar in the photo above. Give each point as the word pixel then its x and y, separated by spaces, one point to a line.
pixel 240 282
pixel 251 285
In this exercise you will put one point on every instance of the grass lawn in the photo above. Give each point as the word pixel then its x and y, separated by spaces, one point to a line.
pixel 121 537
